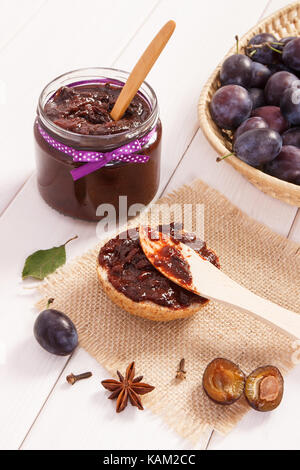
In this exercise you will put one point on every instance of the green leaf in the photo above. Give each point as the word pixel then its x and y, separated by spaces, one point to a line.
pixel 44 262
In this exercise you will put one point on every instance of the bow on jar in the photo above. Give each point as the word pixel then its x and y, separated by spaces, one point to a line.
pixel 95 160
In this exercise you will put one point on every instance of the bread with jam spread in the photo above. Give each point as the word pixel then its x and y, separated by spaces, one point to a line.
pixel 135 285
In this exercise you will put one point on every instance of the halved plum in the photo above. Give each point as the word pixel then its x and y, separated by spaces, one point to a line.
pixel 264 388
pixel 223 381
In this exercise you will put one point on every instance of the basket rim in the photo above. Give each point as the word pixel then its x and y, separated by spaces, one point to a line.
pixel 216 141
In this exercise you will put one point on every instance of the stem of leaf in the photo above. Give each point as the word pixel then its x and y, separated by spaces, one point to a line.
pixel 73 238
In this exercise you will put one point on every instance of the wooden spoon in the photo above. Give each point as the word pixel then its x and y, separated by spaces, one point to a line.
pixel 184 266
pixel 141 70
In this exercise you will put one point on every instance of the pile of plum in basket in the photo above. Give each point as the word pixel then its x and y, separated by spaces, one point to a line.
pixel 259 103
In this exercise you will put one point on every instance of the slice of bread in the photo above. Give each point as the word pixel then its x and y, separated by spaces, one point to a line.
pixel 145 309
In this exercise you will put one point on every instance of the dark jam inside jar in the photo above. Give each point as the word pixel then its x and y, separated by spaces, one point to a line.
pixel 78 116
pixel 85 109
pixel 132 274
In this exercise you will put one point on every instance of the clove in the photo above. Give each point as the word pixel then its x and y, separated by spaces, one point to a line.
pixel 181 373
pixel 71 379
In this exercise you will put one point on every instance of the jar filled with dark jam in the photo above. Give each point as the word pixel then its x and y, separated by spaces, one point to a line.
pixel 73 119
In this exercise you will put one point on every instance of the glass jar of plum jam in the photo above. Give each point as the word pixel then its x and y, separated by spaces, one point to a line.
pixel 73 118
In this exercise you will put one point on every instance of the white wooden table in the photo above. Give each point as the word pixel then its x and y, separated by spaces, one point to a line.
pixel 38 41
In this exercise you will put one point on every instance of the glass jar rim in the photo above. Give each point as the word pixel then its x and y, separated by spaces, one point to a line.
pixel 97 73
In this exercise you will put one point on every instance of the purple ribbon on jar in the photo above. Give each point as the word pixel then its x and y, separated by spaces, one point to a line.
pixel 96 160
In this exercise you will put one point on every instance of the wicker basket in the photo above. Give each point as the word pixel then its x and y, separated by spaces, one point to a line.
pixel 285 22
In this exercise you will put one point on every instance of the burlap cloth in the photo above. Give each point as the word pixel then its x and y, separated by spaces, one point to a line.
pixel 251 254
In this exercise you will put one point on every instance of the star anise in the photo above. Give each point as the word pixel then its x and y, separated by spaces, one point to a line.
pixel 127 387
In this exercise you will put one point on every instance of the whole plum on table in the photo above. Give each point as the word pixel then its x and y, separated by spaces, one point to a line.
pixel 291 54
pixel 264 52
pixel 257 97
pixel 276 86
pixel 55 332
pixel 290 105
pixel 236 70
pixel 258 146
pixel 230 106
pixel 260 75
pixel 286 166
pixel 292 137
pixel 273 117
pixel 249 124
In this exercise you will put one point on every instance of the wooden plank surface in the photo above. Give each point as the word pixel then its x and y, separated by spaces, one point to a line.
pixel 15 17
pixel 38 408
